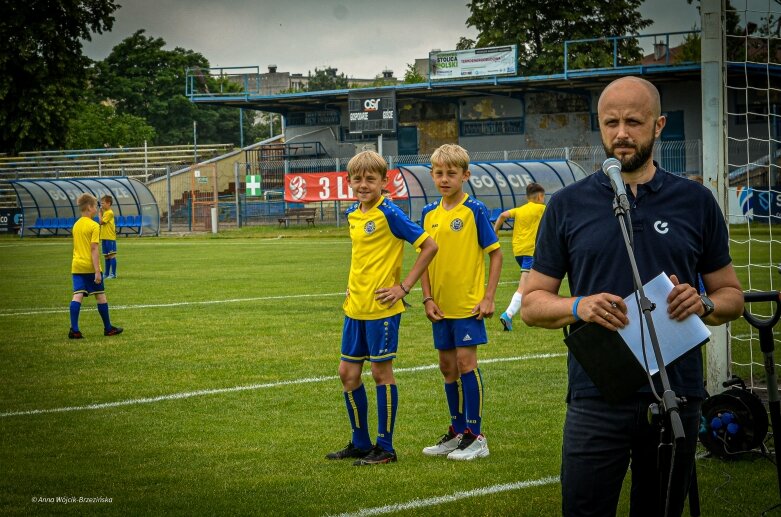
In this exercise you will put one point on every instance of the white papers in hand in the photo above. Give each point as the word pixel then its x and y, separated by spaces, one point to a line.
pixel 675 337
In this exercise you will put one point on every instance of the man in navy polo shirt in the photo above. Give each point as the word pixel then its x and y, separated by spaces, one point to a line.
pixel 678 229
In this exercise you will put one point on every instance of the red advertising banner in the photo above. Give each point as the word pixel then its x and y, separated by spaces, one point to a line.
pixel 306 187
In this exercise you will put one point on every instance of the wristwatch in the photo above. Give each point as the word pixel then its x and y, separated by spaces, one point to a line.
pixel 707 304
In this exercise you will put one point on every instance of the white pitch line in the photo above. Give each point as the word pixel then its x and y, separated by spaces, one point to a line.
pixel 433 501
pixel 57 310
pixel 33 312
pixel 250 387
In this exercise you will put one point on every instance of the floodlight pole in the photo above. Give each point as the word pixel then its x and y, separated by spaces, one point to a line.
pixel 195 142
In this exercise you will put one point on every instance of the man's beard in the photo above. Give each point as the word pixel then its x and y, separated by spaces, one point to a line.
pixel 635 161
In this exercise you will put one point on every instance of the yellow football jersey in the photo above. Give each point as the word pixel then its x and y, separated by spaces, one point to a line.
pixel 108 230
pixel 378 237
pixel 457 272
pixel 85 232
pixel 527 221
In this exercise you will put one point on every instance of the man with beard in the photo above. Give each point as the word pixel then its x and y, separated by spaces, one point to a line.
pixel 679 230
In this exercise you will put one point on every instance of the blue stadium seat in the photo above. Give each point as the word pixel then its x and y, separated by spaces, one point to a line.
pixel 119 222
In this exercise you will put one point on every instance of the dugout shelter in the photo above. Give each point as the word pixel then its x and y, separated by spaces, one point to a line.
pixel 500 185
pixel 49 205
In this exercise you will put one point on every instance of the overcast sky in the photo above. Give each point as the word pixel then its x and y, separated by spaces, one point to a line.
pixel 358 37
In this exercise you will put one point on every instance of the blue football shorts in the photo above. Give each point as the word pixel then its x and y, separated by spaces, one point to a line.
pixel 85 283
pixel 451 333
pixel 526 262
pixel 370 340
pixel 109 247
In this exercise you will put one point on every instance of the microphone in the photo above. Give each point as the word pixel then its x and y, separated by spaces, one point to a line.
pixel 612 169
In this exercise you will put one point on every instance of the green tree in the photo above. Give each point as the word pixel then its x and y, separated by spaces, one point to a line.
pixel 42 68
pixel 540 28
pixel 690 49
pixel 327 79
pixel 98 125
pixel 140 77
pixel 265 125
pixel 412 76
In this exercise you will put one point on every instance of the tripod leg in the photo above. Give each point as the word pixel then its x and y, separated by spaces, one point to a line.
pixel 694 494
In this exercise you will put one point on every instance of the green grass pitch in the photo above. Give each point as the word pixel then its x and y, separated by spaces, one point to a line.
pixel 221 396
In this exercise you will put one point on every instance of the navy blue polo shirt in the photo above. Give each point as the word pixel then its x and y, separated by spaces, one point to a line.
pixel 678 229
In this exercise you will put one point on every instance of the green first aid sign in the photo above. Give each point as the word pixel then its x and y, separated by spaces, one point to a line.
pixel 253 185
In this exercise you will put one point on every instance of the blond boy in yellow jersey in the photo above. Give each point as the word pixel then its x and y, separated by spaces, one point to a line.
pixel 373 306
pixel 457 300
pixel 85 268
pixel 527 222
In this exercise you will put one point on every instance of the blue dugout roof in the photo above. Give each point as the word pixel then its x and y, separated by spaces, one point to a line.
pixel 49 205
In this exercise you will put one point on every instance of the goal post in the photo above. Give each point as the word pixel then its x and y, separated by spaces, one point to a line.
pixel 714 163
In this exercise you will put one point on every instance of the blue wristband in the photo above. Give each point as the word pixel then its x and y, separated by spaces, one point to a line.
pixel 575 308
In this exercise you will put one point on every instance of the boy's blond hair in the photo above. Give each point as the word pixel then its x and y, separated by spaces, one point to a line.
pixel 86 200
pixel 108 199
pixel 367 161
pixel 451 154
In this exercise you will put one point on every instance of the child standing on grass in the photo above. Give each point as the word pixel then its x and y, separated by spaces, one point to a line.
pixel 373 307
pixel 456 299
pixel 527 222
pixel 108 235
pixel 85 268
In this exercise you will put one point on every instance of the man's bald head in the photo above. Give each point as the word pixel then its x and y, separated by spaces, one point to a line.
pixel 638 86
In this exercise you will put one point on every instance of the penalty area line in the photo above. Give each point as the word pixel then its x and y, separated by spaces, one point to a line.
pixel 434 501
pixel 250 387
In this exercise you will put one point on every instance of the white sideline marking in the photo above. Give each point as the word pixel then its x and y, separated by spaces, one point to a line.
pixel 174 304
pixel 59 310
pixel 433 501
pixel 249 387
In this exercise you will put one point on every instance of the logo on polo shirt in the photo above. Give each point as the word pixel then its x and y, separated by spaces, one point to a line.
pixel 369 227
pixel 661 227
pixel 456 225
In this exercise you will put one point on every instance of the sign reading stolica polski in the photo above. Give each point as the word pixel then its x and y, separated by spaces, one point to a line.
pixel 476 62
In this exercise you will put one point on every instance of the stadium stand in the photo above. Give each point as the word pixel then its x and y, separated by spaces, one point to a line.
pixel 134 162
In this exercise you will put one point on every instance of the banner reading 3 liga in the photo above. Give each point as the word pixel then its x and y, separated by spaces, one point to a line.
pixel 305 187
pixel 476 62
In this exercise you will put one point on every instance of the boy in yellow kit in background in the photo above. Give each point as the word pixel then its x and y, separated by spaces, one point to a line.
pixel 456 299
pixel 108 235
pixel 527 222
pixel 85 268
pixel 373 307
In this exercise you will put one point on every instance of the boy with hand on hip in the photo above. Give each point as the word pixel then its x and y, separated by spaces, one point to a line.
pixel 85 267
pixel 456 299
pixel 373 307
pixel 108 235
pixel 527 222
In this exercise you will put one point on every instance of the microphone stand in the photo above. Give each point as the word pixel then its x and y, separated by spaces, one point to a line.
pixel 666 412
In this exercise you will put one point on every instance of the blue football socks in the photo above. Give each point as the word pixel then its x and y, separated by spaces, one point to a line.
pixel 387 403
pixel 103 311
pixel 473 399
pixel 357 408
pixel 455 402
pixel 75 308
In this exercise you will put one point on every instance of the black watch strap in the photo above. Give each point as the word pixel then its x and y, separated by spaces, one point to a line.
pixel 707 304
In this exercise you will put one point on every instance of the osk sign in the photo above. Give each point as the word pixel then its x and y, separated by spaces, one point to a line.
pixel 372 112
